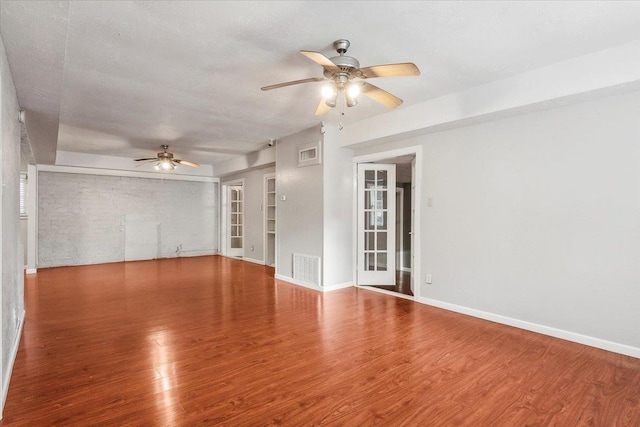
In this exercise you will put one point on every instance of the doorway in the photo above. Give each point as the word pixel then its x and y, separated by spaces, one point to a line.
pixel 233 219
pixel 395 213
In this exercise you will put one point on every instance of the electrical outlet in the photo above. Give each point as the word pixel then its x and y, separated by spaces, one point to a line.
pixel 427 279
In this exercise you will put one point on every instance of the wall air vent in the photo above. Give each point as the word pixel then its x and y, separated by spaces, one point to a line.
pixel 306 269
pixel 309 154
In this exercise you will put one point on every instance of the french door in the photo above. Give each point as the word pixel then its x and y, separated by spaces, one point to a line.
pixel 235 222
pixel 376 224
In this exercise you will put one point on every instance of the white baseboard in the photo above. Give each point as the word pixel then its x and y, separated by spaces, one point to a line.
pixel 31 270
pixel 255 261
pixel 386 292
pixel 337 286
pixel 12 358
pixel 195 253
pixel 534 327
pixel 298 282
pixel 312 286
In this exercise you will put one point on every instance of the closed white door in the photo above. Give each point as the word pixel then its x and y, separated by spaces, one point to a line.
pixel 376 224
pixel 235 223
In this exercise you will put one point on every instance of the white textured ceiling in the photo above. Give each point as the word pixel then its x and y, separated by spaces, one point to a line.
pixel 120 77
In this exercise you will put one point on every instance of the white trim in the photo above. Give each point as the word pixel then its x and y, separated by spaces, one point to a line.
pixel 354 226
pixel 12 360
pixel 190 253
pixel 130 174
pixel 298 282
pixel 381 155
pixel 224 221
pixel 415 250
pixel 406 269
pixel 237 258
pixel 534 327
pixel 386 292
pixel 311 286
pixel 239 181
pixel 399 230
pixel 337 286
pixel 255 261
pixel 31 270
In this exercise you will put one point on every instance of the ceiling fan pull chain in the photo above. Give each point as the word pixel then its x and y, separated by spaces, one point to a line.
pixel 340 95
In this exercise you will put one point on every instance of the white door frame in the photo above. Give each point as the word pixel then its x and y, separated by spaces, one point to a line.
pixel 399 228
pixel 417 173
pixel 223 214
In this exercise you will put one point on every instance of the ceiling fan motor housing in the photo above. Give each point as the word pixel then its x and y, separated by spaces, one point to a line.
pixel 164 154
pixel 347 64
pixel 341 46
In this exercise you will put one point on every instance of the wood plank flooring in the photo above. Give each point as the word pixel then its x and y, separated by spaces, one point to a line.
pixel 402 285
pixel 215 341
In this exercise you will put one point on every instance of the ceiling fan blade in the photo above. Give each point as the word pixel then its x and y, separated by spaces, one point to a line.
pixel 323 108
pixel 146 163
pixel 142 160
pixel 320 59
pixel 380 95
pixel 294 82
pixel 391 70
pixel 186 163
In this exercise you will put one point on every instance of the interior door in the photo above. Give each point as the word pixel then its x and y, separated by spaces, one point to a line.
pixel 235 234
pixel 376 224
pixel 413 223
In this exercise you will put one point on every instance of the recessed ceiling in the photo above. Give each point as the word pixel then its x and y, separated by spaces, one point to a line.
pixel 122 78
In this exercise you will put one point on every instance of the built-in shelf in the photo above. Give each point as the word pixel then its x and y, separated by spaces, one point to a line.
pixel 270 201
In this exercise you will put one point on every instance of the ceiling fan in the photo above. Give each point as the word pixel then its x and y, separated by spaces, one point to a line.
pixel 165 161
pixel 344 76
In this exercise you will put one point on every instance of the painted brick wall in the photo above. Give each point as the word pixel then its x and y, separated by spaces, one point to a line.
pixel 11 257
pixel 82 217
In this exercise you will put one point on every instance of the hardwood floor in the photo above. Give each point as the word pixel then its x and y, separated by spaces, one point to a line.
pixel 402 286
pixel 216 341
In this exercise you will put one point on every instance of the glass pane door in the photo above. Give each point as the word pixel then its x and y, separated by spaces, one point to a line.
pixel 236 221
pixel 376 224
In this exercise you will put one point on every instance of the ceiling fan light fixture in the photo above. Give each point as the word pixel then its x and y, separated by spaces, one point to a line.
pixel 331 102
pixel 351 102
pixel 353 90
pixel 164 161
pixel 166 165
pixel 328 91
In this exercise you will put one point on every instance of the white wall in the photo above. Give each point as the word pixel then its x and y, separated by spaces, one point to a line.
pixel 81 218
pixel 23 238
pixel 255 160
pixel 12 313
pixel 537 218
pixel 338 210
pixel 300 217
pixel 253 211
